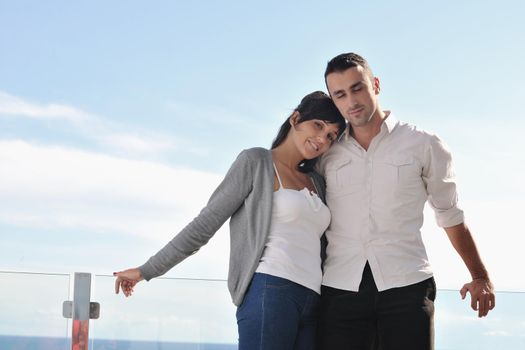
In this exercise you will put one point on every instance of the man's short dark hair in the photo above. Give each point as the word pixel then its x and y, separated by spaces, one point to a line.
pixel 344 61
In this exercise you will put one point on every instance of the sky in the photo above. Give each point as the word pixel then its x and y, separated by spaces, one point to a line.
pixel 118 119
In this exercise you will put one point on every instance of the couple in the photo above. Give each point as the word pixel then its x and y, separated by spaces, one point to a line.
pixel 371 284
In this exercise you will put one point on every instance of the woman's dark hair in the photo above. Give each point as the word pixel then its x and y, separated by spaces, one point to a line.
pixel 316 105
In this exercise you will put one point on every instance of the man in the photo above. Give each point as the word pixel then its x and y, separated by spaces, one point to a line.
pixel 378 284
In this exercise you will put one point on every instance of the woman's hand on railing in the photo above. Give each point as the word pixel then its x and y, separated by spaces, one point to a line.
pixel 126 280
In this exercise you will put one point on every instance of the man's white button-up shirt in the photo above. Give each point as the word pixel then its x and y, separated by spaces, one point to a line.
pixel 376 198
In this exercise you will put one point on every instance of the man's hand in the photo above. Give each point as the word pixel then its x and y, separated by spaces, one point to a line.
pixel 482 295
pixel 481 290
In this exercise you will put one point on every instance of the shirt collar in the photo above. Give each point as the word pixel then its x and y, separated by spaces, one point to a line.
pixel 389 122
pixel 388 125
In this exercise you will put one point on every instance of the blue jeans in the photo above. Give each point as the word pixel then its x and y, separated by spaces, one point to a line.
pixel 277 314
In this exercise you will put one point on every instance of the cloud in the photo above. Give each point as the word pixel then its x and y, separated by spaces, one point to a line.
pixel 136 143
pixel 164 309
pixel 189 312
pixel 495 226
pixel 112 189
pixel 217 115
pixel 497 333
pixel 58 187
pixel 113 136
pixel 16 106
pixel 25 314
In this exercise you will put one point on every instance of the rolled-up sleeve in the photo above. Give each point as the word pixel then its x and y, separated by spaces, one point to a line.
pixel 439 177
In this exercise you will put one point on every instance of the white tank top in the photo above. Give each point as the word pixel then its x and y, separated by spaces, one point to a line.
pixel 299 219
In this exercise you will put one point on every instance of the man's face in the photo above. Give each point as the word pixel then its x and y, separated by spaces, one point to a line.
pixel 354 93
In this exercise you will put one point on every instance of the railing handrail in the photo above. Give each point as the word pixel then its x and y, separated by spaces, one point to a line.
pixel 37 273
pixel 203 279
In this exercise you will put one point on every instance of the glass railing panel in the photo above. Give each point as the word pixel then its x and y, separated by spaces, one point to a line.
pixel 459 328
pixel 31 311
pixel 172 314
pixel 165 313
pixel 198 314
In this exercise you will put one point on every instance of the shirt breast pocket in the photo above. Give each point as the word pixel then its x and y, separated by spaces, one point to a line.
pixel 398 173
pixel 344 178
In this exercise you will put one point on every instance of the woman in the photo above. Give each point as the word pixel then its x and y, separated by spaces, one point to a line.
pixel 274 201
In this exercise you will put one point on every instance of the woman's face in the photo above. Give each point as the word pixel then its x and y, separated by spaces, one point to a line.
pixel 313 137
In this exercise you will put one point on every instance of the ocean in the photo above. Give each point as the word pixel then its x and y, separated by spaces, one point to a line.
pixel 48 343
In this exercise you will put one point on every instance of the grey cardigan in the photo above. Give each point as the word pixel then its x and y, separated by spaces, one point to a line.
pixel 245 195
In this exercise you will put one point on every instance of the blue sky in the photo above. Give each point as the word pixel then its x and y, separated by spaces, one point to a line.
pixel 117 119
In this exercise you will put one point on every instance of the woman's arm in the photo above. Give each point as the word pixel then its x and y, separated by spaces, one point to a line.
pixel 223 203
